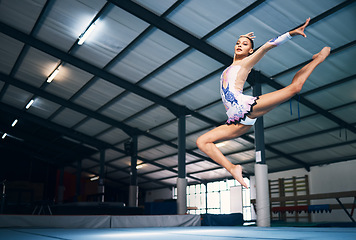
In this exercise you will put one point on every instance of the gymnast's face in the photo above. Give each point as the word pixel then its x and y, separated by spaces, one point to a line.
pixel 243 47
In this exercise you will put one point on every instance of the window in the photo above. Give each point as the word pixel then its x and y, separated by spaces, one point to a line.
pixel 196 198
pixel 214 198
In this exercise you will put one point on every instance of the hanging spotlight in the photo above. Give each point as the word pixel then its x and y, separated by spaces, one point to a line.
pixel 14 123
pixel 29 104
pixel 53 75
pixel 86 33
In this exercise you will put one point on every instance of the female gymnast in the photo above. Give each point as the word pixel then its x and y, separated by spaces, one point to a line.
pixel 242 110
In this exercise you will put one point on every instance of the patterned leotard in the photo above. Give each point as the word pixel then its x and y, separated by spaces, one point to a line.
pixel 237 105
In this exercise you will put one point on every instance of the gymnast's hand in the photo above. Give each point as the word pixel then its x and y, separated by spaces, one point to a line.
pixel 248 35
pixel 300 30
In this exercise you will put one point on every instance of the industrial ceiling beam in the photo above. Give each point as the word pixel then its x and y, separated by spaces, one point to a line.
pixel 90 68
pixel 63 130
pixel 33 141
pixel 123 52
pixel 235 152
pixel 108 76
pixel 223 25
pixel 173 30
pixel 226 23
pixel 318 109
pixel 343 143
pixel 230 60
pixel 271 144
pixel 333 84
pixel 232 19
pixel 207 49
pixel 43 14
pixel 85 111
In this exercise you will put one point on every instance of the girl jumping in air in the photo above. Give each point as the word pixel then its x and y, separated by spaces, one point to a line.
pixel 242 110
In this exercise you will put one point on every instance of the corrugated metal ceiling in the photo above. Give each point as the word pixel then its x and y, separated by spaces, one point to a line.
pixel 147 58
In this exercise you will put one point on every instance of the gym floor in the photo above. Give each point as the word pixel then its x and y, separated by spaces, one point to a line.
pixel 189 233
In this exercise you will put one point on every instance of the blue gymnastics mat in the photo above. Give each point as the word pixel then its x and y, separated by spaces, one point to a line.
pixel 188 233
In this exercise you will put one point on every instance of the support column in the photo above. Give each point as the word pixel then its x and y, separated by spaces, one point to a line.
pixel 3 196
pixel 133 191
pixel 206 197
pixel 181 181
pixel 78 180
pixel 101 185
pixel 262 196
pixel 61 186
pixel 261 170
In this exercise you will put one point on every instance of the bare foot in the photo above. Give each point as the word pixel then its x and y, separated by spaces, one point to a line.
pixel 322 54
pixel 236 172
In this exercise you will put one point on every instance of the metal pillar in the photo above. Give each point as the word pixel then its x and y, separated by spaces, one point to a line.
pixel 181 181
pixel 261 170
pixel 78 179
pixel 3 196
pixel 133 191
pixel 206 197
pixel 101 185
pixel 61 186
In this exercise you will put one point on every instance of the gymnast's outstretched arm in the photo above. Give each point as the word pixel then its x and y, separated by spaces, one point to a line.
pixel 250 61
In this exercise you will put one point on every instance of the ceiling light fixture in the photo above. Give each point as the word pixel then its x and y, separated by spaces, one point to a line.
pixel 86 33
pixel 53 75
pixel 94 178
pixel 4 136
pixel 221 144
pixel 14 123
pixel 29 104
pixel 139 166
